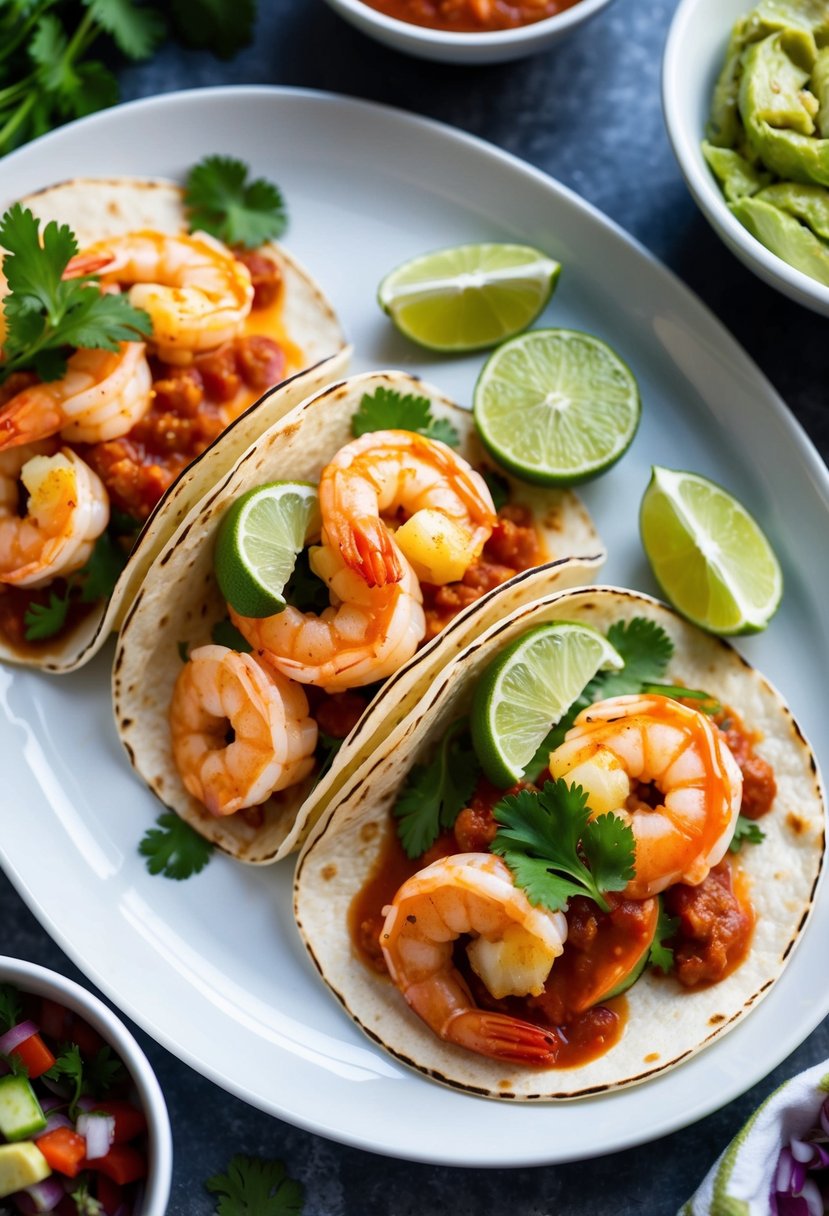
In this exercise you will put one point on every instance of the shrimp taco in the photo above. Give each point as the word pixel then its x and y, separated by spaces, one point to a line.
pixel 395 564
pixel 112 442
pixel 602 911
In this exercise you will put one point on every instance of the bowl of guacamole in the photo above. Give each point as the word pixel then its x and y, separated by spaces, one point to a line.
pixel 746 99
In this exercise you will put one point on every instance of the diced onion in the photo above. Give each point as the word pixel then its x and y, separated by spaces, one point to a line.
pixel 17 1035
pixel 55 1120
pixel 45 1195
pixel 99 1133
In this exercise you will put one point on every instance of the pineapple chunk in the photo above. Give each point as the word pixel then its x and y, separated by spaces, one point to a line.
pixel 602 778
pixel 517 964
pixel 438 549
pixel 21 1165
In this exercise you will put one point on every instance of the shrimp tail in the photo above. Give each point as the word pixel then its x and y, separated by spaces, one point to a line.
pixel 501 1037
pixel 83 264
pixel 369 550
pixel 27 418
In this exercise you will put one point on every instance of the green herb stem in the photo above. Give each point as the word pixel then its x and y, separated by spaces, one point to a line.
pixel 17 119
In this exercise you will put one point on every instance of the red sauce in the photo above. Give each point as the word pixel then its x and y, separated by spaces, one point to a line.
pixel 759 785
pixel 470 16
pixel 716 923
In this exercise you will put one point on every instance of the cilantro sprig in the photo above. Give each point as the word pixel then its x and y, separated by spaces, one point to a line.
pixel 222 201
pixel 11 1009
pixel 94 1078
pixel 174 849
pixel 253 1187
pixel 746 831
pixel 387 410
pixel 434 793
pixel 95 580
pixel 556 850
pixel 661 955
pixel 46 314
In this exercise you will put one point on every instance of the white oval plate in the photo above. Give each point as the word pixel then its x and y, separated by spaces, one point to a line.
pixel 213 967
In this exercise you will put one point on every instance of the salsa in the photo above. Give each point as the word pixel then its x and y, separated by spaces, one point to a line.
pixel 470 16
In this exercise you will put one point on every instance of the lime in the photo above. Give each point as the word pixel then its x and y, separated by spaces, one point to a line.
pixel 258 542
pixel 470 296
pixel 528 688
pixel 708 555
pixel 556 406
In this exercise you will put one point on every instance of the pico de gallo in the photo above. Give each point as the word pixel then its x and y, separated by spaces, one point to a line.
pixel 471 16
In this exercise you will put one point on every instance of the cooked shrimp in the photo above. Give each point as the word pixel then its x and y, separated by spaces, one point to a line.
pixel 196 292
pixel 103 394
pixel 219 690
pixel 365 636
pixel 389 471
pixel 513 948
pixel 652 739
pixel 68 510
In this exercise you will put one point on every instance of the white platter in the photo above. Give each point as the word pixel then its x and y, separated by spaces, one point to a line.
pixel 213 967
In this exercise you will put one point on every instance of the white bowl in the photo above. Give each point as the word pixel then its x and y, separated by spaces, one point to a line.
pixel 694 55
pixel 28 977
pixel 444 46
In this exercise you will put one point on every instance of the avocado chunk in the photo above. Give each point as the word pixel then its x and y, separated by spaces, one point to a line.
pixel 21 1165
pixel 779 112
pixel 785 236
pixel 20 1112
pixel 820 88
pixel 809 204
pixel 736 175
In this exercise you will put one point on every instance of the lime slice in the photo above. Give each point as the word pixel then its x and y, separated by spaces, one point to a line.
pixel 258 542
pixel 470 296
pixel 528 688
pixel 556 406
pixel 708 555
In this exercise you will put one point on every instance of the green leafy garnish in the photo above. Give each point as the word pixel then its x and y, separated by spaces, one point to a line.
pixel 555 850
pixel 45 620
pixel 253 1187
pixel 707 703
pixel 69 1067
pixel 94 581
pixel 46 313
pixel 183 649
pixel 745 831
pixel 11 1009
pixel 305 590
pixel 174 849
pixel 220 26
pixel 94 1078
pixel 387 410
pixel 660 955
pixel 327 748
pixel 434 793
pixel 222 201
pixel 86 1204
pixel 103 1071
pixel 498 487
pixel 225 633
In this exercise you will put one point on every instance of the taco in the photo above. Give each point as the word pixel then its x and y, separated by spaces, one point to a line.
pixel 175 409
pixel 706 869
pixel 546 535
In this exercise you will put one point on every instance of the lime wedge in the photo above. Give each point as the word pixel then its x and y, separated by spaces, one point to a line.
pixel 708 555
pixel 528 688
pixel 470 296
pixel 258 542
pixel 556 406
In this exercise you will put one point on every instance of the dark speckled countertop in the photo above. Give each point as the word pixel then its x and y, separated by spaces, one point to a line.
pixel 588 113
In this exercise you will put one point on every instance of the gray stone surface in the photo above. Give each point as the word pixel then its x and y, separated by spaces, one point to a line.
pixel 589 114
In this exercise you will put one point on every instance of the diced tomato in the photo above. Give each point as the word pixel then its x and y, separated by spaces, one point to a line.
pixel 122 1164
pixel 53 1020
pixel 129 1120
pixel 88 1040
pixel 108 1194
pixel 64 1150
pixel 34 1055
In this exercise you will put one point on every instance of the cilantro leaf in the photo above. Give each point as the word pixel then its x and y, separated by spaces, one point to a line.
pixel 253 1187
pixel 136 31
pixel 220 26
pixel 222 201
pixel 387 410
pixel 103 1071
pixel 224 633
pixel 11 1010
pixel 174 849
pixel 543 835
pixel 646 650
pixel 498 487
pixel 86 1204
pixel 69 1067
pixel 434 793
pixel 304 589
pixel 101 571
pixel 43 621
pixel 745 830
pixel 660 955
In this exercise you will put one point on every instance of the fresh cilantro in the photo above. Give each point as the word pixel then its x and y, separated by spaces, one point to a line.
pixel 69 1067
pixel 434 793
pixel 305 590
pixel 387 410
pixel 660 955
pixel 498 487
pixel 225 633
pixel 220 200
pixel 253 1187
pixel 16 1066
pixel 45 313
pixel 220 26
pixel 173 848
pixel 11 1009
pixel 94 1078
pixel 103 1071
pixel 745 831
pixel 45 620
pixel 707 703
pixel 136 31
pixel 95 580
pixel 543 837
pixel 85 1203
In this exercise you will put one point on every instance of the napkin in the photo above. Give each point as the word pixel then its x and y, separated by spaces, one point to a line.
pixel 740 1181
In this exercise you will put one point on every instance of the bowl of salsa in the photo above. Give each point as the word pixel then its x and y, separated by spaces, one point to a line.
pixel 467 31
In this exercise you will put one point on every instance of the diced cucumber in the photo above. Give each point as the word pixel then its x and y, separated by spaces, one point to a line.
pixel 20 1112
pixel 21 1165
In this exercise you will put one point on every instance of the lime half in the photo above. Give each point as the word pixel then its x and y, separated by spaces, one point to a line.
pixel 556 406
pixel 709 556
pixel 258 542
pixel 470 296
pixel 528 688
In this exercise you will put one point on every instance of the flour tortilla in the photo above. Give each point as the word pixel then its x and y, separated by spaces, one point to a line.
pixel 95 209
pixel 180 602
pixel 665 1023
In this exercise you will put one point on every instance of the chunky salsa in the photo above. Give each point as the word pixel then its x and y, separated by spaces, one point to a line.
pixel 471 16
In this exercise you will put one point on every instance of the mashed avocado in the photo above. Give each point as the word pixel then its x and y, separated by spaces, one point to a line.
pixel 768 134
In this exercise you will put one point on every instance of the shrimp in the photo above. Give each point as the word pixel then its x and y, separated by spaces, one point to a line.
pixel 103 394
pixel 365 636
pixel 273 738
pixel 652 739
pixel 68 510
pixel 196 292
pixel 513 949
pixel 386 471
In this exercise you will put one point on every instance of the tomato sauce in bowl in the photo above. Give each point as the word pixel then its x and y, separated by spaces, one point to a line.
pixel 470 16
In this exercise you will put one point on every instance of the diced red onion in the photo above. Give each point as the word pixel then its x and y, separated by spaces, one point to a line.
pixel 17 1035
pixel 99 1133
pixel 87 1105
pixel 47 1104
pixel 45 1195
pixel 814 1199
pixel 801 1151
pixel 791 1205
pixel 54 1087
pixel 783 1177
pixel 56 1119
pixel 24 1203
